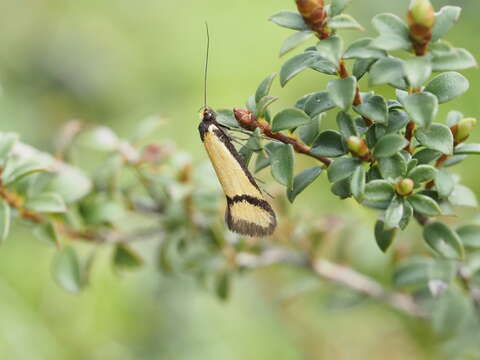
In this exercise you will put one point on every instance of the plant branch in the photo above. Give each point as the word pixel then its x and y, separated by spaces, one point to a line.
pixel 249 122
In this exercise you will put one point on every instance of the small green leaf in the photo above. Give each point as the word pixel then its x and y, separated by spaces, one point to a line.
pixel 47 233
pixel 444 183
pixel 417 70
pixel 264 87
pixel 457 59
pixel 448 86
pixel 331 49
pixel 384 237
pixel 467 149
pixel 374 108
pixel 397 120
pixel 392 167
pixel 413 272
pixel 389 145
pixel 379 191
pixel 386 71
pixel 294 40
pixel 66 270
pixel 324 66
pixel 223 285
pixel 344 21
pixel 463 196
pixel 422 173
pixel 426 156
pixel 302 180
pixel 393 214
pixel 318 103
pixel 342 168
pixel 338 6
pixel 46 202
pixel 357 184
pixel 443 240
pixel 424 205
pixel 470 236
pixel 437 137
pixel 295 65
pixel 4 220
pixel 394 34
pixel 342 92
pixel 261 162
pixel 289 19
pixel 263 104
pixel 346 125
pixel 125 258
pixel 421 107
pixel 407 215
pixel 19 168
pixel 309 133
pixel 7 142
pixel 342 189
pixel 282 159
pixel 329 143
pixel 362 66
pixel 226 117
pixel 288 119
pixel 444 20
pixel 360 49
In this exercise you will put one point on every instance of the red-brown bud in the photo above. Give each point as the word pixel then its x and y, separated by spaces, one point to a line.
pixel 404 187
pixel 421 17
pixel 463 129
pixel 358 147
pixel 314 14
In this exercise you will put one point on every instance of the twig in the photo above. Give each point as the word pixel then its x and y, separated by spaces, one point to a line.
pixel 337 274
pixel 249 122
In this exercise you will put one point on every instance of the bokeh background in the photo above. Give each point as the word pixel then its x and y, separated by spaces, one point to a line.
pixel 116 62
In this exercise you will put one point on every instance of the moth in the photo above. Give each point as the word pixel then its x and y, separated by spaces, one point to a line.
pixel 247 213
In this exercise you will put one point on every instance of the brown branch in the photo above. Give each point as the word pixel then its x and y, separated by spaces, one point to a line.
pixel 249 122
pixel 336 274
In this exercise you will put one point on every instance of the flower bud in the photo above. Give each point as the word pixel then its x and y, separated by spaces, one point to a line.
pixel 307 7
pixel 463 129
pixel 314 14
pixel 404 187
pixel 421 12
pixel 357 146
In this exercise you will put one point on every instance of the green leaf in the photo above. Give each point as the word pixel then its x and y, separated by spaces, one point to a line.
pixel 289 19
pixel 379 191
pixel 422 173
pixel 453 117
pixel 392 167
pixel 46 202
pixel 302 180
pixel 261 162
pixel 342 168
pixel 71 184
pixel 374 108
pixel 397 120
pixel 342 189
pixel 444 183
pixel 295 65
pixel 360 49
pixel 338 6
pixel 407 215
pixel 46 232
pixel 457 59
pixel 294 40
pixel 346 125
pixel 424 205
pixel 66 270
pixel 444 20
pixel 264 88
pixel 318 103
pixel 19 168
pixel 384 237
pixel 394 34
pixel 331 49
pixel 448 86
pixel 467 149
pixel 386 71
pixel 437 137
pixel 125 258
pixel 362 66
pixel 329 143
pixel 393 214
pixel 223 285
pixel 426 156
pixel 470 236
pixel 344 21
pixel 226 117
pixel 413 272
pixel 463 196
pixel 443 240
pixel 263 104
pixel 324 66
pixel 389 145
pixel 417 70
pixel 7 142
pixel 421 107
pixel 281 160
pixel 309 133
pixel 342 92
pixel 288 119
pixel 357 184
pixel 4 220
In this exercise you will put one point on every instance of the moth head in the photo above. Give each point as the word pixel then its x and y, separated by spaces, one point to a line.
pixel 208 114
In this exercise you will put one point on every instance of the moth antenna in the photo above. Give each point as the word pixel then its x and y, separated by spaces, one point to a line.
pixel 205 72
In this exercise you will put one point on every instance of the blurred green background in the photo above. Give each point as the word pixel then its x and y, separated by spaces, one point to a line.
pixel 116 62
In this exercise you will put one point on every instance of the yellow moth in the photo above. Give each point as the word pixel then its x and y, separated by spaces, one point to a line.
pixel 247 213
